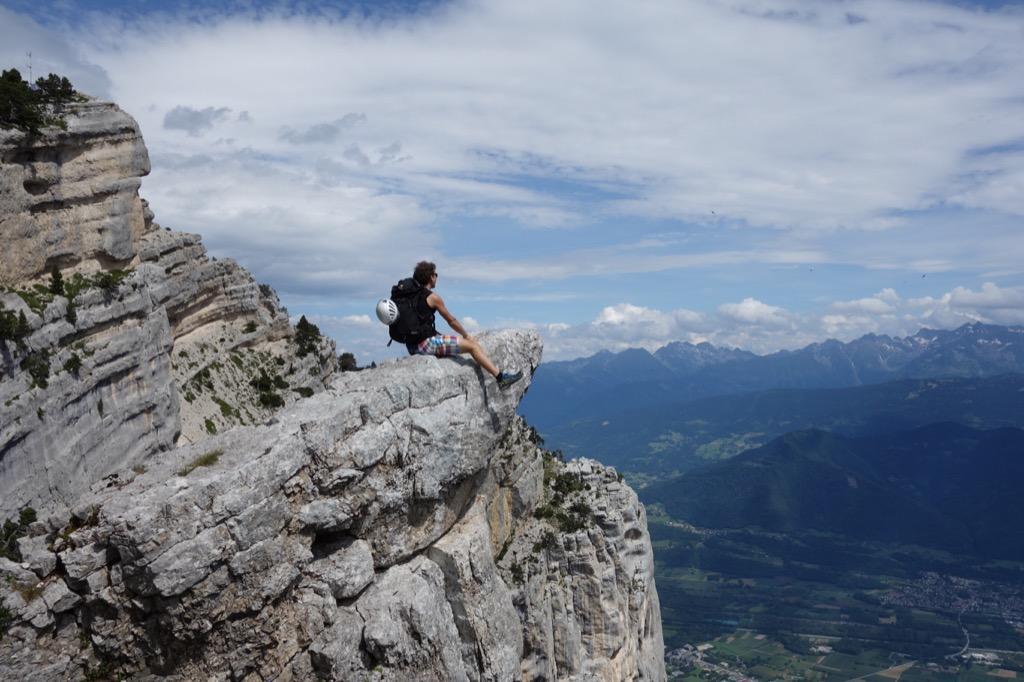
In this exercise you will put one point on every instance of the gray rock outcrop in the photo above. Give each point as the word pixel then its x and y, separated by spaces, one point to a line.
pixel 383 529
pixel 151 343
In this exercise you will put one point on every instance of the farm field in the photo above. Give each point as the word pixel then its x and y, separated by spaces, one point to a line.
pixel 745 654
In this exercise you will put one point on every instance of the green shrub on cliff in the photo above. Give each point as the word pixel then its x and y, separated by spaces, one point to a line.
pixel 10 531
pixel 37 364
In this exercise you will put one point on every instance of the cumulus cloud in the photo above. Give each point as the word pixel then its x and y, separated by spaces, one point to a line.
pixel 992 303
pixel 622 326
pixel 752 311
pixel 194 121
pixel 990 297
pixel 874 305
pixel 889 131
pixel 627 315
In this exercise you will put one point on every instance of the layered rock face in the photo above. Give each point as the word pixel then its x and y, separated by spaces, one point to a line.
pixel 150 342
pixel 71 196
pixel 401 525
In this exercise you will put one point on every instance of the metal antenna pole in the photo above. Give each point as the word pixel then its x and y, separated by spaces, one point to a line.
pixel 30 66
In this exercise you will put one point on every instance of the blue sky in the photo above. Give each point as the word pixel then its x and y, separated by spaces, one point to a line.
pixel 757 173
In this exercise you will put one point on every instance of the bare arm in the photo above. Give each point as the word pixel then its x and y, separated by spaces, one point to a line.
pixel 437 303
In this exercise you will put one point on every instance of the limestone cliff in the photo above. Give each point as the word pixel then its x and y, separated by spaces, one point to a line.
pixel 400 525
pixel 147 342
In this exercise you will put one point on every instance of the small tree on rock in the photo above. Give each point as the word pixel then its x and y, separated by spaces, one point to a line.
pixel 56 282
pixel 307 336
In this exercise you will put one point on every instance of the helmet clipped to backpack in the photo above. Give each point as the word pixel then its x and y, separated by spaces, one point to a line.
pixel 387 311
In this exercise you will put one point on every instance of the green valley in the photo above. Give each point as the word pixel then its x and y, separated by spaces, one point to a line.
pixel 823 557
pixel 819 606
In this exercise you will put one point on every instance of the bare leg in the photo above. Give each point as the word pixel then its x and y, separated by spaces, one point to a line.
pixel 474 349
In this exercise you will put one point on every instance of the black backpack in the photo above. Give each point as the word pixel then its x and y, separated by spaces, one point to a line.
pixel 413 325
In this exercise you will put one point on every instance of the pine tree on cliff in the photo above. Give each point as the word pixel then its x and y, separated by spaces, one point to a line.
pixel 307 336
pixel 31 108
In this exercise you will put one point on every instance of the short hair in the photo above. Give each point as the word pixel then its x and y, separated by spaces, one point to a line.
pixel 423 272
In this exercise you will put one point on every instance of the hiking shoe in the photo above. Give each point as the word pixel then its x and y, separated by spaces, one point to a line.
pixel 505 379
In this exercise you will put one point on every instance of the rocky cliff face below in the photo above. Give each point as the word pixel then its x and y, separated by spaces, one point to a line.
pixel 401 525
pixel 148 343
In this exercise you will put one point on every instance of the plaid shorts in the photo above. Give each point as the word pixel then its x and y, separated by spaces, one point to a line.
pixel 440 345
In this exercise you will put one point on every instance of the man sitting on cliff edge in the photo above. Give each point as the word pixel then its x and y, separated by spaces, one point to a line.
pixel 427 302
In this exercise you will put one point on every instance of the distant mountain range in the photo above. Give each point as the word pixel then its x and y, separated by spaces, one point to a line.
pixel 676 437
pixel 608 384
pixel 944 486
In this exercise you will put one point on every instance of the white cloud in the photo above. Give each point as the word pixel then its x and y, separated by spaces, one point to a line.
pixel 765 117
pixel 839 325
pixel 624 313
pixel 645 322
pixel 752 311
pixel 762 328
pixel 998 305
pixel 622 326
pixel 875 305
pixel 991 297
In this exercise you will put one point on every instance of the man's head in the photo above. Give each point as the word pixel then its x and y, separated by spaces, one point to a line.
pixel 424 273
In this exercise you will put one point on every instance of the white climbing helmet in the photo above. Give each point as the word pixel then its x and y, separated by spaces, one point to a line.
pixel 387 311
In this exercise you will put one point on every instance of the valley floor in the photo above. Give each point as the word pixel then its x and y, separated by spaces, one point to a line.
pixel 743 605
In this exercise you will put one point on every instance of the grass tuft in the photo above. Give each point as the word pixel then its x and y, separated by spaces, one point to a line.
pixel 207 460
